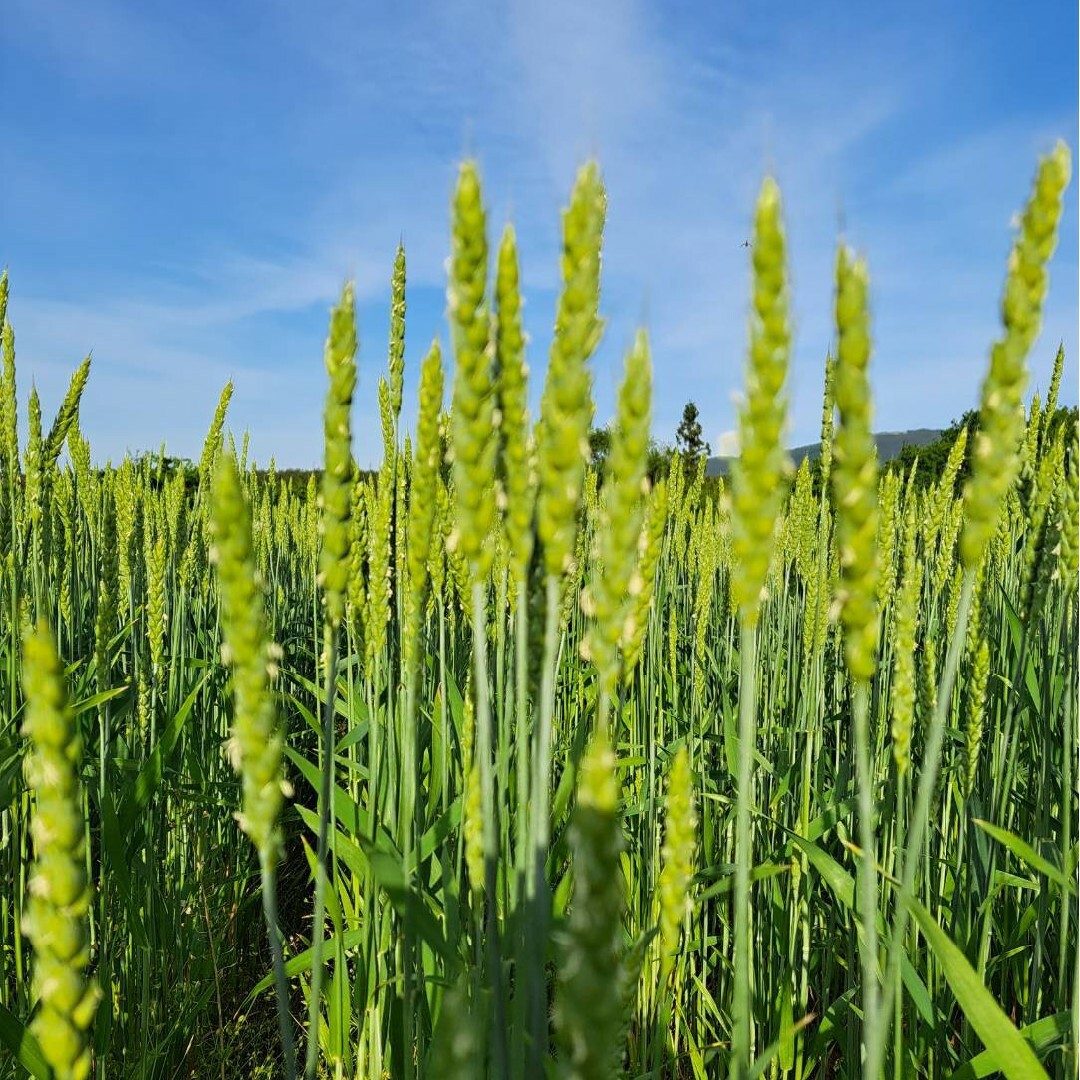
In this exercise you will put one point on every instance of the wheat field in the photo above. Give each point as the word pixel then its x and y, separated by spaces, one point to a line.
pixel 492 763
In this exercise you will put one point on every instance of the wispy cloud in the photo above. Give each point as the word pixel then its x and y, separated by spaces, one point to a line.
pixel 196 219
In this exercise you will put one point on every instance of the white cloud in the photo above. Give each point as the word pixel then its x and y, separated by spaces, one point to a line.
pixel 685 120
pixel 726 444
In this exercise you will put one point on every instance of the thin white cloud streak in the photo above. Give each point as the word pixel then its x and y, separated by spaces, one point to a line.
pixel 683 139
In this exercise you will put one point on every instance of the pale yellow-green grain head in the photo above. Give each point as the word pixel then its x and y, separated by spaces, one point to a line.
pixel 422 496
pixel 356 589
pixel 995 459
pixel 474 439
pixel 56 917
pixel 680 842
pixel 759 474
pixel 643 583
pixel 1070 521
pixel 854 473
pixel 588 999
pixel 335 495
pixel 566 410
pixel 213 440
pixel 1052 393
pixel 905 630
pixel 257 745
pixel 976 712
pixel 9 412
pixel 519 467
pixel 828 415
pixel 397 331
pixel 65 417
pixel 377 609
pixel 621 514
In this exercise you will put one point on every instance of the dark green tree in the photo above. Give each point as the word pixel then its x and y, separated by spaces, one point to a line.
pixel 932 456
pixel 599 446
pixel 659 460
pixel 688 438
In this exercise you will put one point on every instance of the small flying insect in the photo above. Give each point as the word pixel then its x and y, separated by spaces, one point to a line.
pixel 746 244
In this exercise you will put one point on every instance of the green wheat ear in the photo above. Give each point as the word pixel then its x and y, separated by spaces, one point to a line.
pixel 356 589
pixel 212 443
pixel 156 599
pixel 336 491
pixel 519 479
pixel 422 498
pixel 643 583
pixel 34 457
pixel 976 708
pixel 377 606
pixel 854 474
pixel 473 435
pixel 757 490
pixel 397 331
pixel 619 531
pixel 9 412
pixel 680 841
pixel 588 1016
pixel 566 410
pixel 905 630
pixel 257 742
pixel 56 918
pixel 1070 520
pixel 995 460
pixel 1052 395
pixel 66 415
pixel 828 411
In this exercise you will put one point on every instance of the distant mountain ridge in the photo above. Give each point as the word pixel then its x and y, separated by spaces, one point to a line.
pixel 889 444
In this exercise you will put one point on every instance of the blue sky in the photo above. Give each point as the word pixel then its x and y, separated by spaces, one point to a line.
pixel 187 186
